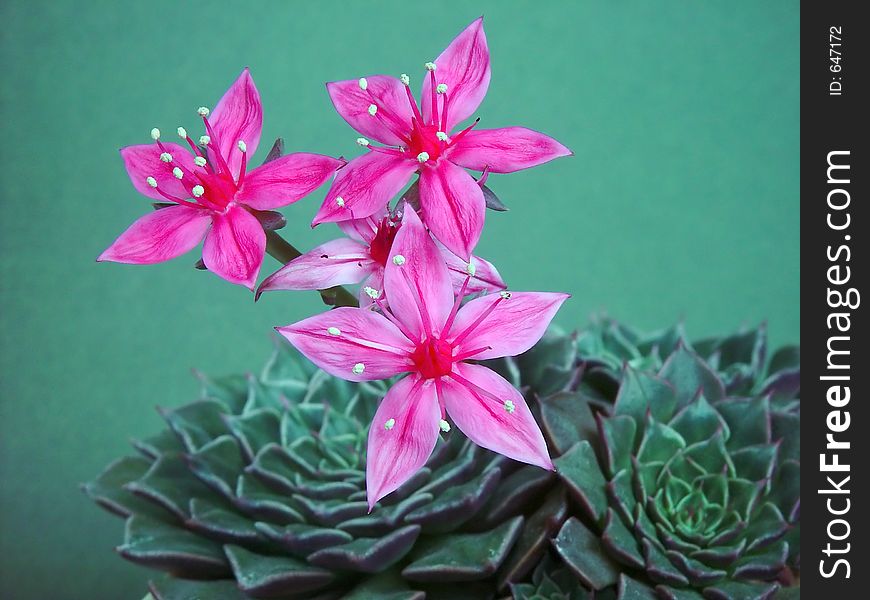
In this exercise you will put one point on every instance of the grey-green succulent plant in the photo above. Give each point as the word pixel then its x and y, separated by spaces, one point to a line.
pixel 678 478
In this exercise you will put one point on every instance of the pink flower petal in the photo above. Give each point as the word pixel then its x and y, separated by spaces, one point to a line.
pixel 365 185
pixel 493 414
pixel 340 339
pixel 143 161
pixel 416 280
pixel 403 434
pixel 385 92
pixel 361 230
pixel 238 117
pixel 235 246
pixel 285 180
pixel 505 150
pixel 506 323
pixel 338 262
pixel 464 67
pixel 486 277
pixel 375 282
pixel 159 236
pixel 453 207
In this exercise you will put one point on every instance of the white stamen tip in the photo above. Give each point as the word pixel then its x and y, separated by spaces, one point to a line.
pixel 340 201
pixel 471 269
pixel 389 424
pixel 166 157
pixel 444 425
pixel 423 157
pixel 441 88
pixel 505 295
pixel 151 181
pixel 362 142
pixel 363 83
pixel 203 111
pixel 200 161
pixel 405 79
pixel 398 260
pixel 182 133
pixel 179 174
pixel 358 368
pixel 441 136
pixel 509 406
pixel 373 109
pixel 372 292
pixel 197 191
pixel 155 134
pixel 204 140
pixel 243 147
pixel 333 331
pixel 430 66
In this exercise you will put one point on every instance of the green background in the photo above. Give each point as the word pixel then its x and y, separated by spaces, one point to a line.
pixel 681 202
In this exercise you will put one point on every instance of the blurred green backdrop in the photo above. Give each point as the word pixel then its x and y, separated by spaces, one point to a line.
pixel 681 202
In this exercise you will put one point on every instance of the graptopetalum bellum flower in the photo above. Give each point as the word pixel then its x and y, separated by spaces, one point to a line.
pixel 213 195
pixel 419 139
pixel 426 334
pixel 363 257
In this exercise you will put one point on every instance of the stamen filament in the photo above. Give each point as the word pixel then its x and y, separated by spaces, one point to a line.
pixel 215 144
pixel 414 106
pixel 477 321
pixel 462 133
pixel 417 293
pixel 455 309
pixel 434 97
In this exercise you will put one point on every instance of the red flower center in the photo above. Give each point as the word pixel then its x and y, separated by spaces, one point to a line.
pixel 433 358
pixel 380 246
pixel 424 139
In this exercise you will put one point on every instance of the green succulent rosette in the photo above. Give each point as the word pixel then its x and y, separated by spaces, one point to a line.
pixel 688 481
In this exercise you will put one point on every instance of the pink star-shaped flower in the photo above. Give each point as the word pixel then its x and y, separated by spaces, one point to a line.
pixel 427 335
pixel 213 195
pixel 420 139
pixel 363 257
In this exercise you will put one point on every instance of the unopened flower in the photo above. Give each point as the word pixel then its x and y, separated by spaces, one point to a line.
pixel 215 194
pixel 427 335
pixel 362 258
pixel 419 139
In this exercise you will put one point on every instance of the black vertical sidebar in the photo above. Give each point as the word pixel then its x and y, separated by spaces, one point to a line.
pixel 835 369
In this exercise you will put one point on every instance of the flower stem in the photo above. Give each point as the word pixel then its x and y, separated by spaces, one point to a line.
pixel 284 251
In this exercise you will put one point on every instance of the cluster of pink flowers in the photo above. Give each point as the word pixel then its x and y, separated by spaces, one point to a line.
pixel 428 308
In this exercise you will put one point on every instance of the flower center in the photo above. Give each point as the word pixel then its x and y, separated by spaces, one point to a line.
pixel 210 183
pixel 424 138
pixel 380 246
pixel 433 358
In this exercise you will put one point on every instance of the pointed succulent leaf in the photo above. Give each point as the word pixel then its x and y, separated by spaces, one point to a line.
pixel 643 392
pixel 159 545
pixel 270 576
pixel 108 489
pixel 567 419
pixel 170 484
pixel 629 589
pixel 171 588
pixel 688 374
pixel 579 469
pixel 741 590
pixel 368 555
pixel 535 537
pixel 218 523
pixel 582 552
pixel 463 557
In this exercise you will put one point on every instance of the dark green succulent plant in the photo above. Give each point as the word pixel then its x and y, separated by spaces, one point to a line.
pixel 689 488
pixel 256 490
